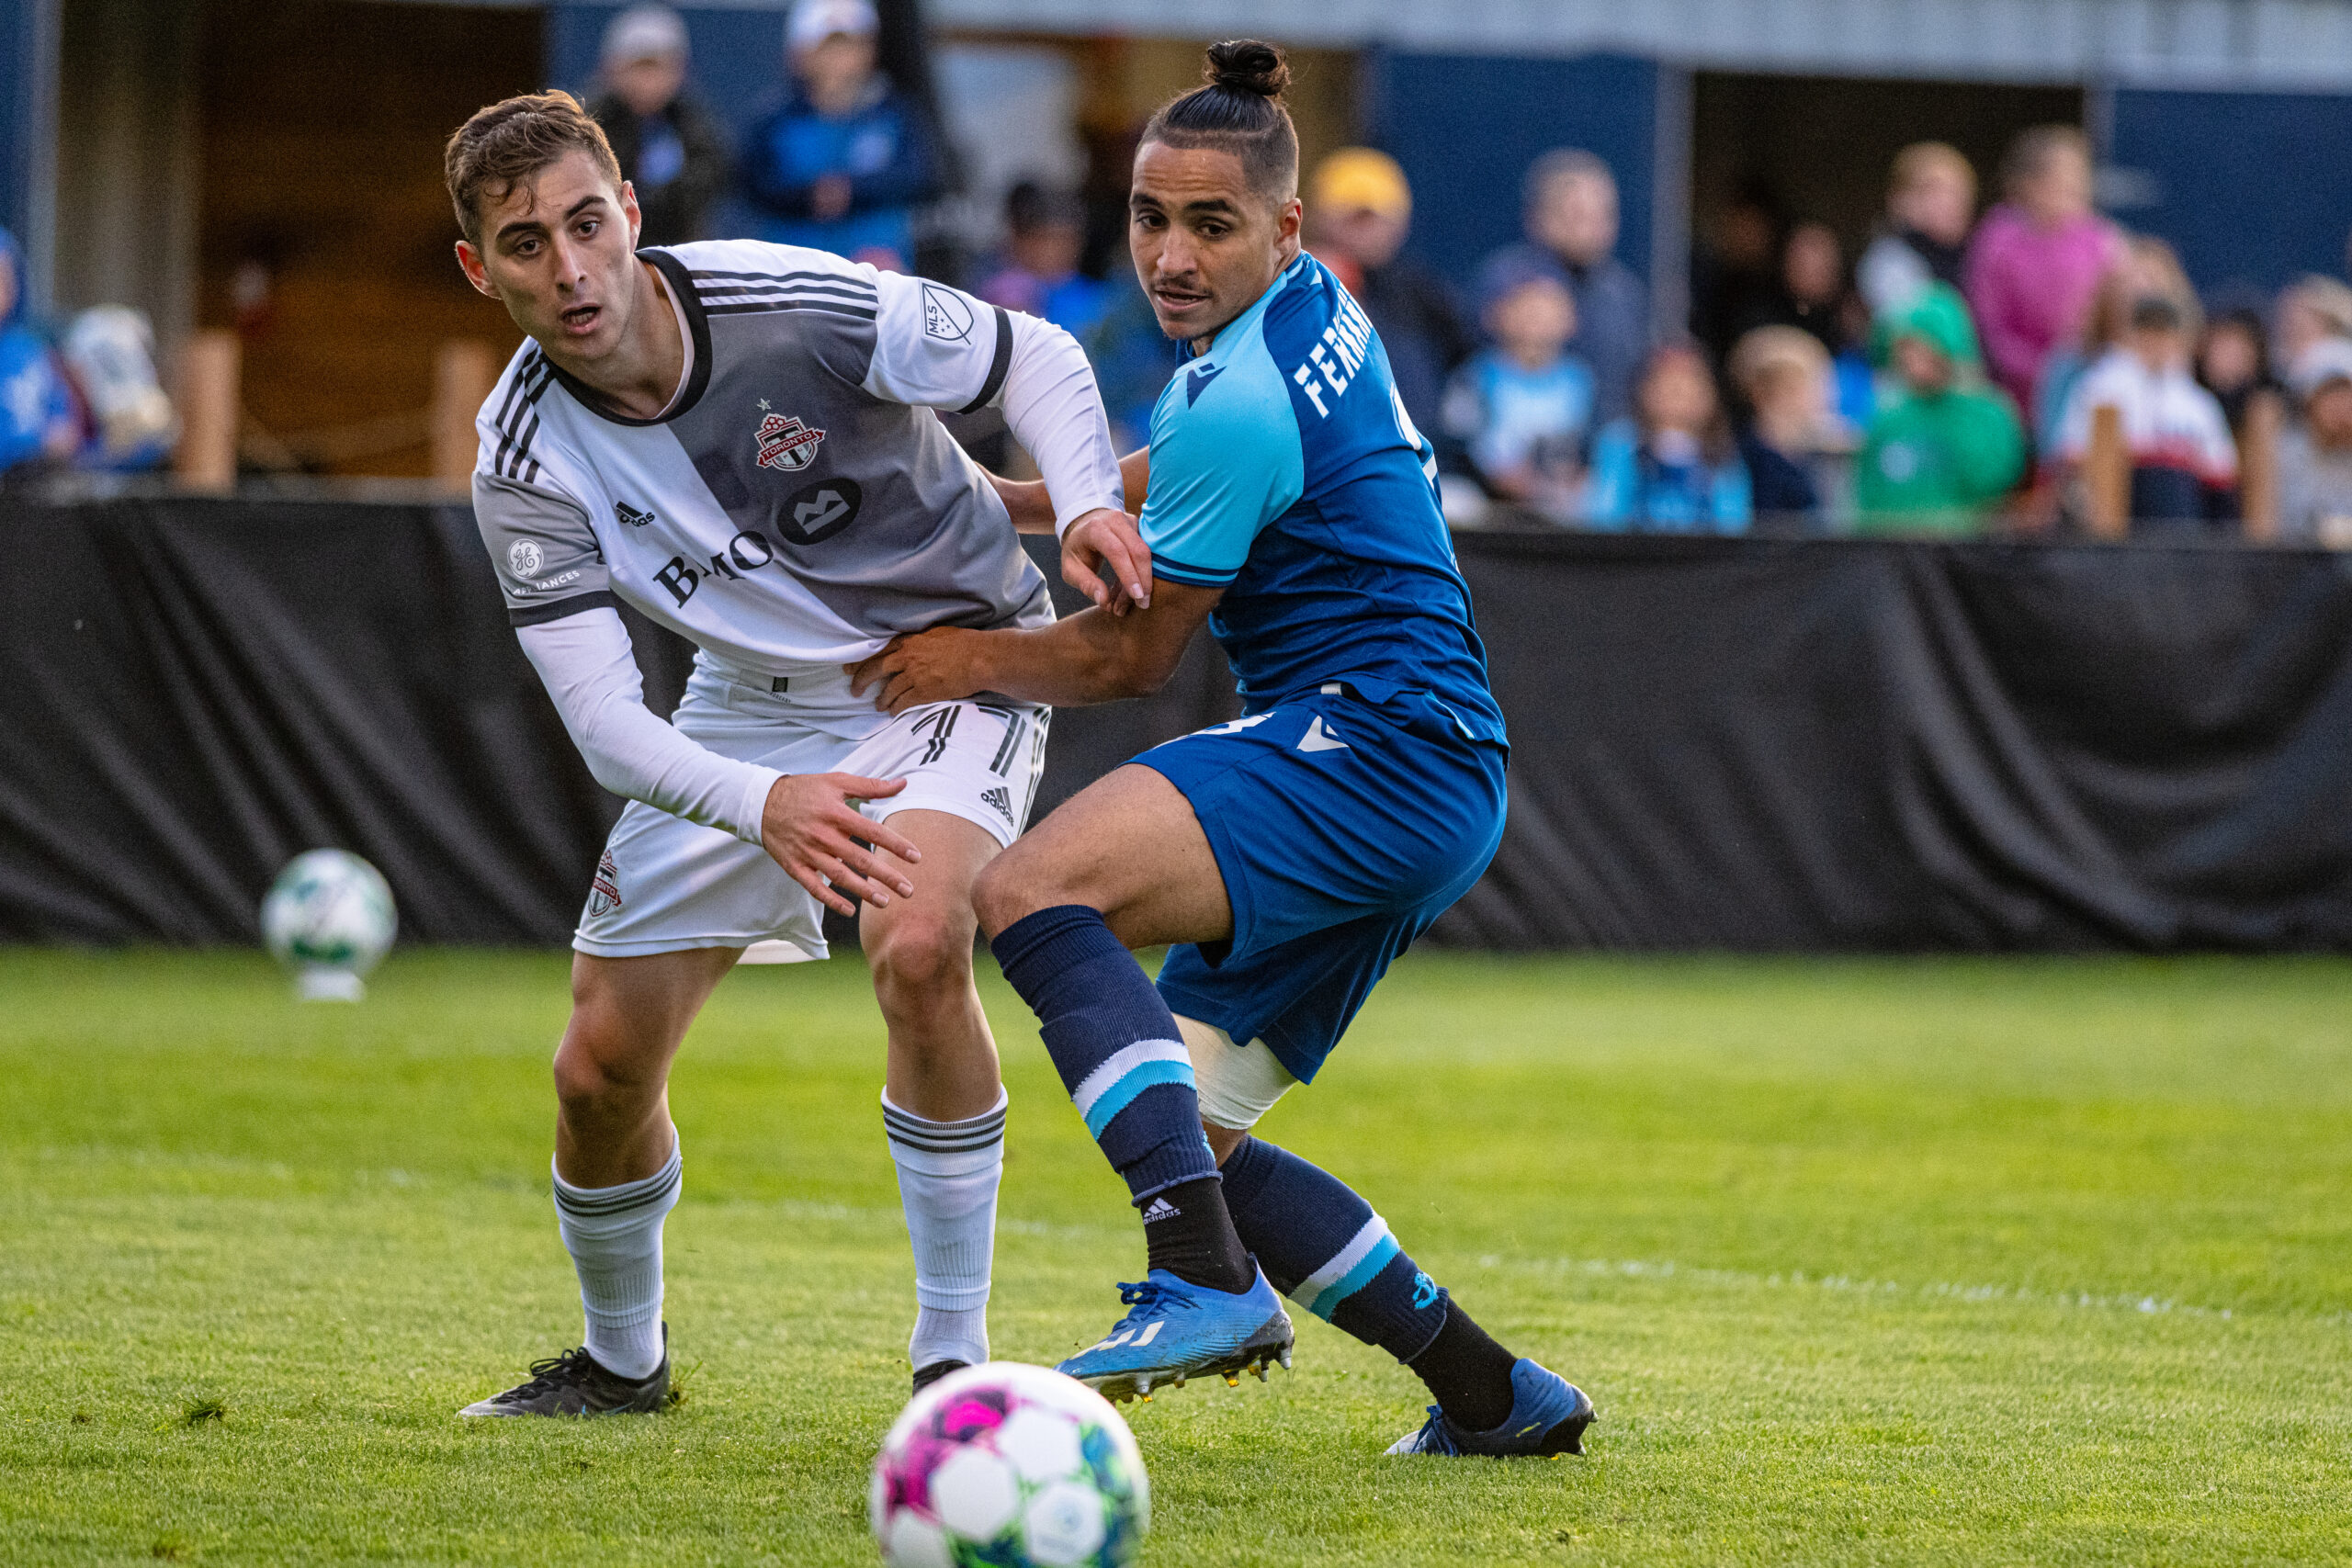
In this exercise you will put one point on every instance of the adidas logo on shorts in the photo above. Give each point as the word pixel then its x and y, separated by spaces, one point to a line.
pixel 999 797
pixel 1161 1209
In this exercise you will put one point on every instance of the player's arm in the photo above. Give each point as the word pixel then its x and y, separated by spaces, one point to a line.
pixel 1224 470
pixel 1091 657
pixel 1031 505
pixel 1096 547
pixel 560 601
pixel 942 349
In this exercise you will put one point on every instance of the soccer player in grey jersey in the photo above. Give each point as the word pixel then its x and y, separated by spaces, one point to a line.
pixel 737 439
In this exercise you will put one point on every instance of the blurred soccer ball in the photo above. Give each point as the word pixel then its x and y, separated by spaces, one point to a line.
pixel 330 918
pixel 1010 1465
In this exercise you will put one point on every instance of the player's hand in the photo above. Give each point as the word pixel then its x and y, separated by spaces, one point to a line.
pixel 1106 543
pixel 929 667
pixel 811 828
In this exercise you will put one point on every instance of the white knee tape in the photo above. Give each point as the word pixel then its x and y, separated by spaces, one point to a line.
pixel 1237 1083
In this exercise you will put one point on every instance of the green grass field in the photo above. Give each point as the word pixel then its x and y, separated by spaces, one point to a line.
pixel 1871 1262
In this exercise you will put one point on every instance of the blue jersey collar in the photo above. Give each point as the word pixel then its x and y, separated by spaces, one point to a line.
pixel 1234 331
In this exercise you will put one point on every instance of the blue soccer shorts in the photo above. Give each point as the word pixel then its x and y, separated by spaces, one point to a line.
pixel 1343 830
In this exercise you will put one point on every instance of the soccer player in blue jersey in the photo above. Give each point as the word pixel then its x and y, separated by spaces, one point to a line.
pixel 1288 856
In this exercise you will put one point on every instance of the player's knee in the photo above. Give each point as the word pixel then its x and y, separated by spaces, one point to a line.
pixel 921 956
pixel 997 894
pixel 592 1066
pixel 1015 884
pixel 581 1082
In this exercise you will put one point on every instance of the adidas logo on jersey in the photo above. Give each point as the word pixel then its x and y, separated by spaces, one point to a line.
pixel 631 516
pixel 999 797
pixel 1161 1209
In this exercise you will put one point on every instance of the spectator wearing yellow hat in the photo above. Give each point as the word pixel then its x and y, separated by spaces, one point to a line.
pixel 1359 210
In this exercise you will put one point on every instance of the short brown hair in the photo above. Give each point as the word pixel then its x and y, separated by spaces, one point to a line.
pixel 511 141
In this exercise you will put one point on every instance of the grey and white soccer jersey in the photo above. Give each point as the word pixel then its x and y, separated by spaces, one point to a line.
pixel 796 506
pixel 798 502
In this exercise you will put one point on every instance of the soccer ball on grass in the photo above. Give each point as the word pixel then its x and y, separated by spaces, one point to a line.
pixel 328 917
pixel 1013 1466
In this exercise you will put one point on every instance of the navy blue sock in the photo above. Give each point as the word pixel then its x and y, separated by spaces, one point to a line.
pixel 1321 1245
pixel 1115 1044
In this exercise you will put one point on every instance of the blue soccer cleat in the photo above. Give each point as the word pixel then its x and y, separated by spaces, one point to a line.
pixel 1174 1330
pixel 1548 1415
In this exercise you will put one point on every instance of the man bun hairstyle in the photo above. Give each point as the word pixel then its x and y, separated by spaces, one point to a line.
pixel 1238 109
pixel 505 144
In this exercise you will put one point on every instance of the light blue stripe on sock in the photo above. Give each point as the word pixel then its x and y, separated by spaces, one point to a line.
pixel 1133 1082
pixel 1356 1279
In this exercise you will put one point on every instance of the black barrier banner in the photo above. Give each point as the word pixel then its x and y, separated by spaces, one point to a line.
pixel 1843 745
pixel 196 691
pixel 1743 744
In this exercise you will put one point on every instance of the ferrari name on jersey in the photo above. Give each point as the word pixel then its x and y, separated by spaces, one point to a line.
pixel 1337 357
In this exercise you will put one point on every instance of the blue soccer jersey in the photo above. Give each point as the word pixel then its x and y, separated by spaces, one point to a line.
pixel 1285 470
pixel 1361 791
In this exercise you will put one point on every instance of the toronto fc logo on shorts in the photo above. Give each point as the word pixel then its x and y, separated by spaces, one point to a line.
pixel 604 891
pixel 785 443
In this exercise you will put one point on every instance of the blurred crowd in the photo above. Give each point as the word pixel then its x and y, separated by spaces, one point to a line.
pixel 84 398
pixel 1947 379
pixel 1943 380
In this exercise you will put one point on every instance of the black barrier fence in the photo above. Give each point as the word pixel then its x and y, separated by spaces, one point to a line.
pixel 1741 744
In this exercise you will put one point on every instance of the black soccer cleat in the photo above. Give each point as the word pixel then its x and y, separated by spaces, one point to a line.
pixel 1548 1415
pixel 575 1383
pixel 926 1376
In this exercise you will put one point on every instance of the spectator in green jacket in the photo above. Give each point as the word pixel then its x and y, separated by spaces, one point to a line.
pixel 1943 454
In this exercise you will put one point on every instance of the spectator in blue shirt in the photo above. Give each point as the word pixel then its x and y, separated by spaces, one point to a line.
pixel 37 414
pixel 1571 221
pixel 843 164
pixel 1044 233
pixel 1673 468
pixel 1522 407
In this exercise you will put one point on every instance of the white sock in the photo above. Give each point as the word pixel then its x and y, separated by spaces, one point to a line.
pixel 615 1237
pixel 948 1174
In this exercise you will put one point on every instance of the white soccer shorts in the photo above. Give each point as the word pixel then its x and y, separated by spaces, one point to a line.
pixel 666 885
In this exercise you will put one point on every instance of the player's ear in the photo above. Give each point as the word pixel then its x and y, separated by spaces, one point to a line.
pixel 636 216
pixel 1287 219
pixel 470 263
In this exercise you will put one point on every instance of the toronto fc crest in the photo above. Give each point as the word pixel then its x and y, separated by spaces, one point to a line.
pixel 604 890
pixel 785 443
